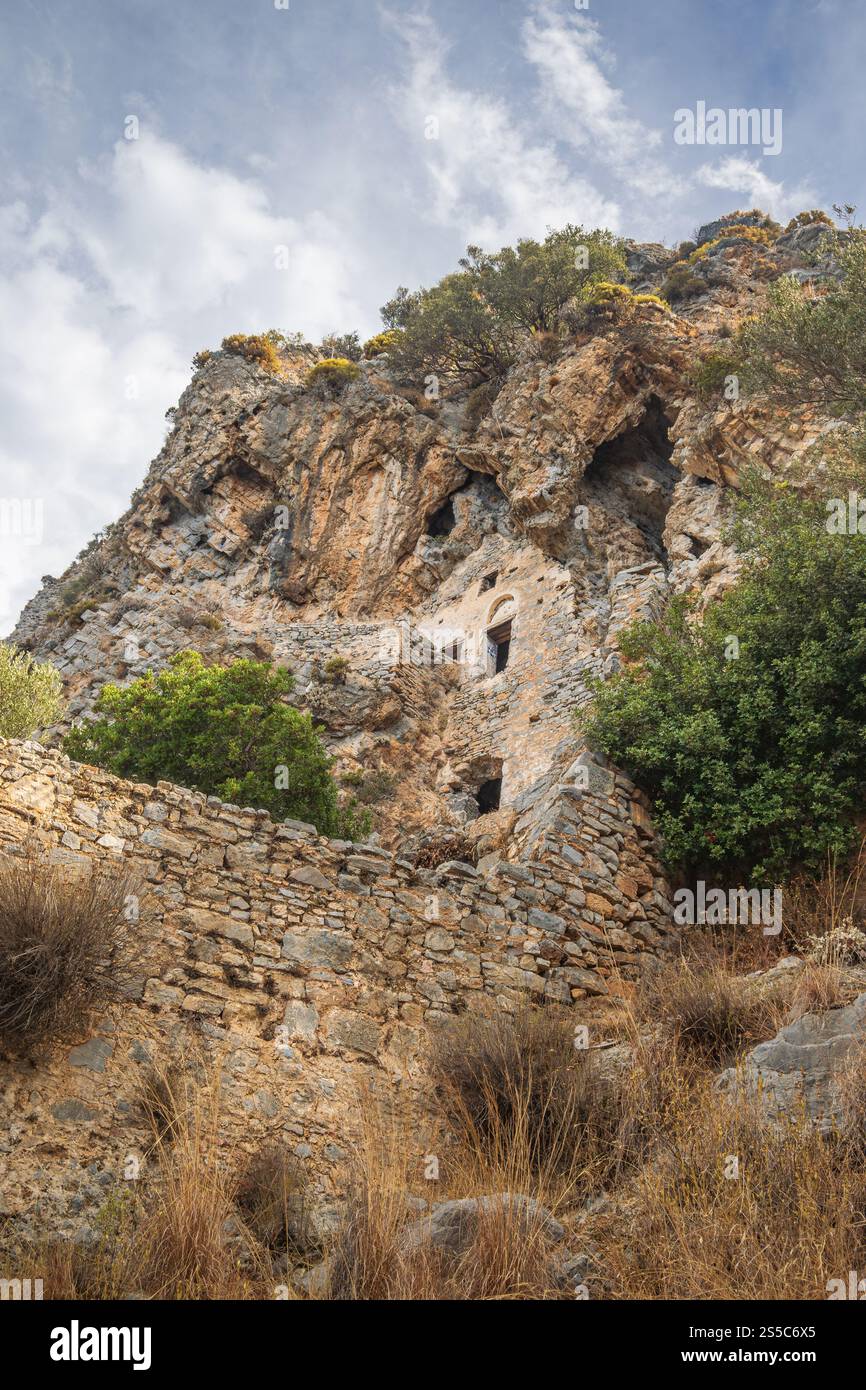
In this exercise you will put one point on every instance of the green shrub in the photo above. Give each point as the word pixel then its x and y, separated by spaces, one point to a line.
pixel 807 351
pixel 371 787
pixel 346 345
pixel 710 374
pixel 201 358
pixel 29 694
pixel 471 324
pixel 331 376
pixel 681 284
pixel 381 342
pixel 335 669
pixel 747 727
pixel 226 731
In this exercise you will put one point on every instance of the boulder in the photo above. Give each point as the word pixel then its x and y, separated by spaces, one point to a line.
pixel 799 1072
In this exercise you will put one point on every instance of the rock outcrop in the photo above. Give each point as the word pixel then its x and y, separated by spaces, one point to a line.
pixel 473 576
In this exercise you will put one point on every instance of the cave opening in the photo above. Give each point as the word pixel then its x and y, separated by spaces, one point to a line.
pixel 443 520
pixel 632 474
pixel 489 795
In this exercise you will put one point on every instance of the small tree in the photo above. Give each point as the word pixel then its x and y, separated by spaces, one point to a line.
pixel 29 694
pixel 805 350
pixel 747 727
pixel 224 730
pixel 470 325
pixel 347 345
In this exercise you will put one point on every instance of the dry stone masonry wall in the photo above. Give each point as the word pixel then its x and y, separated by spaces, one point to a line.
pixel 310 968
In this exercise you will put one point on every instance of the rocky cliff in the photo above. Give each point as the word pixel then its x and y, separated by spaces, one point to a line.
pixel 472 571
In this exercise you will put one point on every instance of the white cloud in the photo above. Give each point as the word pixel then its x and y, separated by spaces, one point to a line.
pixel 107 296
pixel 743 176
pixel 587 110
pixel 491 178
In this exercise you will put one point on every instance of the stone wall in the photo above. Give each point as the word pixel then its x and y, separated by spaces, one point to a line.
pixel 311 968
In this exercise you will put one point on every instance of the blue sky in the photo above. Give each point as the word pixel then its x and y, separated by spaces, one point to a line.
pixel 307 127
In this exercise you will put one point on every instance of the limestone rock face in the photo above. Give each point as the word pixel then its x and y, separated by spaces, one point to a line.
pixel 397 532
pixel 799 1072
pixel 473 577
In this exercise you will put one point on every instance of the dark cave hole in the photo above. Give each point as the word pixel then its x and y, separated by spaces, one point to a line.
pixel 634 470
pixel 443 520
pixel 489 795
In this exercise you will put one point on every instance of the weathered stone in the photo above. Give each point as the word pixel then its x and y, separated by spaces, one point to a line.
pixel 800 1071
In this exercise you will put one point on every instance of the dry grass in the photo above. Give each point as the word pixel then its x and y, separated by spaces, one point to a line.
pixel 730 1208
pixel 382 1251
pixel 825 904
pixel 704 1010
pixel 64 949
pixel 818 988
pixel 178 1232
pixel 271 1197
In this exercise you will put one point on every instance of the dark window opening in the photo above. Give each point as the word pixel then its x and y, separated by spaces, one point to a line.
pixel 499 646
pixel 443 520
pixel 488 582
pixel 489 795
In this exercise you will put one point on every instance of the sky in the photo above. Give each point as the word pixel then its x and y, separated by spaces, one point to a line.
pixel 175 170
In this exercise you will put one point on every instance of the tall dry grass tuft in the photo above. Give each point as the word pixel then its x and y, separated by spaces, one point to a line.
pixel 706 1012
pixel 522 1098
pixel 731 1208
pixel 828 904
pixel 64 949
pixel 383 1250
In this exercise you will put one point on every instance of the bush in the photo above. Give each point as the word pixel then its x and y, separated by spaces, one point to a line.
pixel 808 351
pixel 471 324
pixel 258 348
pixel 345 345
pixel 808 219
pixel 381 343
pixel 336 669
pixel 710 374
pixel 681 284
pixel 29 693
pixel 753 752
pixel 331 376
pixel 226 731
pixel 760 236
pixel 518 1082
pixel 705 1011
pixel 371 787
pixel 63 943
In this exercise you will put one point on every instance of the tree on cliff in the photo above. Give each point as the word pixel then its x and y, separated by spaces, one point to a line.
pixel 471 323
pixel 224 730
pixel 29 693
pixel 747 727
pixel 808 350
